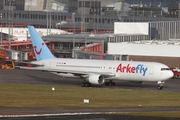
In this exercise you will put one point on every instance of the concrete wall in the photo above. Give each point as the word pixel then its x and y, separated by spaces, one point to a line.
pixel 131 28
pixel 169 61
pixel 144 49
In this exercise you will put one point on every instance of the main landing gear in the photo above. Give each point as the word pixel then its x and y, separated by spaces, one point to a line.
pixel 160 83
pixel 110 83
pixel 85 84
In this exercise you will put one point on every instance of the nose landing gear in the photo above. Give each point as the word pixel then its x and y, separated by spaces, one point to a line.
pixel 160 83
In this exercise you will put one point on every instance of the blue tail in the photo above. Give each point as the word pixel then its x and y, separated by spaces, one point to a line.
pixel 40 49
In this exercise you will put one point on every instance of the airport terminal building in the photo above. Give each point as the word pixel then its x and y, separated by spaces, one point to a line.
pixel 153 20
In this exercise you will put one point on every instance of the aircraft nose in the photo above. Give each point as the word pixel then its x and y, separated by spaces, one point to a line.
pixel 170 74
pixel 167 75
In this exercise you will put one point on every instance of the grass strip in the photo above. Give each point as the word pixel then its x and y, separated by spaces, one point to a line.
pixel 23 95
pixel 155 114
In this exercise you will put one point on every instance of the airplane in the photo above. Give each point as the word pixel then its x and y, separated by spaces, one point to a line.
pixel 97 72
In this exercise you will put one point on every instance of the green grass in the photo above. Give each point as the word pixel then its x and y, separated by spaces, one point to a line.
pixel 156 114
pixel 15 95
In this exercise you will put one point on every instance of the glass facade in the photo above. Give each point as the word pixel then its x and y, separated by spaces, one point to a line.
pixel 152 3
pixel 149 8
pixel 65 2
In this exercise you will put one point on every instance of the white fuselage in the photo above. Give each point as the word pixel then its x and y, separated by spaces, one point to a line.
pixel 122 70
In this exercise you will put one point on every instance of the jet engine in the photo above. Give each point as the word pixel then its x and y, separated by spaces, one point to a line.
pixel 95 79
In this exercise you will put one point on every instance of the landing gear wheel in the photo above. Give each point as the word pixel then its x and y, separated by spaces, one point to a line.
pixel 113 83
pixel 110 83
pixel 106 83
pixel 89 85
pixel 160 87
pixel 84 84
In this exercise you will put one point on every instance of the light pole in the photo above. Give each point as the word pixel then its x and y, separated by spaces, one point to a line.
pixel 162 29
pixel 1 27
pixel 50 23
pixel 47 17
pixel 73 21
pixel 9 22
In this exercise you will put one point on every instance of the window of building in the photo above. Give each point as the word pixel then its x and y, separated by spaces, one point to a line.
pixel 14 15
pixel 104 9
pixel 75 4
pixel 25 16
pixel 96 4
pixel 165 3
pixel 87 4
pixel 155 3
pixel 146 2
pixel 93 4
pixel 6 3
pixel 81 3
pixel 44 16
pixel 173 1
pixel 138 1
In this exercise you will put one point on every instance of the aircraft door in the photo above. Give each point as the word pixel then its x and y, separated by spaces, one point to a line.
pixel 151 69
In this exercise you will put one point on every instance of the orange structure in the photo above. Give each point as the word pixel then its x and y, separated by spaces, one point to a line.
pixel 25 45
pixel 2 57
pixel 31 56
pixel 96 48
pixel 6 63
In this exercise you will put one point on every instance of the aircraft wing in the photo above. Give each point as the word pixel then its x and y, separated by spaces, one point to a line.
pixel 75 72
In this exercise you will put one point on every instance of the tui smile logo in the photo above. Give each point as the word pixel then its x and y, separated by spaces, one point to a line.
pixel 38 52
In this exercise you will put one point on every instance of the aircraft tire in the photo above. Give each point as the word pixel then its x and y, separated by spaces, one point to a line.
pixel 82 84
pixel 86 85
pixel 106 83
pixel 160 87
pixel 113 83
pixel 110 84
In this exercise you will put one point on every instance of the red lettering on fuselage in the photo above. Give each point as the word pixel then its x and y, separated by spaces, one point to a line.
pixel 127 69
pixel 132 69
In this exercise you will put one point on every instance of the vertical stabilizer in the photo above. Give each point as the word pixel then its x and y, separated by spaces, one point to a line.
pixel 40 49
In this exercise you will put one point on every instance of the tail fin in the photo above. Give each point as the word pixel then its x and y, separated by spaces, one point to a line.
pixel 40 49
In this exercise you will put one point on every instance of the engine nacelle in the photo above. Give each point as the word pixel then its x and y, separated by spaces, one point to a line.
pixel 95 79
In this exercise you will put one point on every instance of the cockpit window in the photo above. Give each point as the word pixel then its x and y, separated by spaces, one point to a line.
pixel 162 69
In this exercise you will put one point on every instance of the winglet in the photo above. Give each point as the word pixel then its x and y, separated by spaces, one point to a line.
pixel 40 49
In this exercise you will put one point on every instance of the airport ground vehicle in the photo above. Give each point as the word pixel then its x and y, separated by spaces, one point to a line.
pixel 176 72
pixel 6 63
